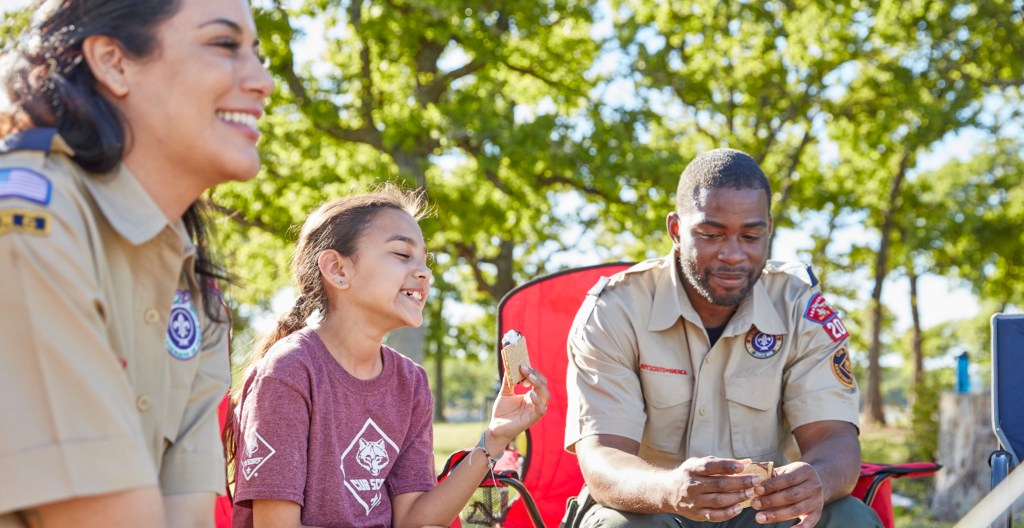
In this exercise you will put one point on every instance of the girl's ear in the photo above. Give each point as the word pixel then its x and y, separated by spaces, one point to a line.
pixel 106 60
pixel 334 268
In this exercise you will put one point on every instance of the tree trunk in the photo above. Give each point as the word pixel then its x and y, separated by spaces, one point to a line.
pixel 876 413
pixel 965 442
pixel 439 399
pixel 917 336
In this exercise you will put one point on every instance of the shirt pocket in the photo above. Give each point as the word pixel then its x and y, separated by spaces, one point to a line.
pixel 755 419
pixel 667 403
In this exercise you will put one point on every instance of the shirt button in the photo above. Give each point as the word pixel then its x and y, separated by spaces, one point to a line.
pixel 152 316
pixel 703 410
pixel 142 403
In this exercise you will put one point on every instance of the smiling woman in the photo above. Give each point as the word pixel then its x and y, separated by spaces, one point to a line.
pixel 121 114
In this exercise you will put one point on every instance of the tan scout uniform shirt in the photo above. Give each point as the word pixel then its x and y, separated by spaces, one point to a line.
pixel 94 293
pixel 640 367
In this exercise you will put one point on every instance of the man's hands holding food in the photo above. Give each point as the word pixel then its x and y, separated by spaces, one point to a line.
pixel 713 489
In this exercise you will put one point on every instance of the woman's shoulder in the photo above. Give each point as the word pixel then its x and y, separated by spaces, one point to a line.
pixel 39 159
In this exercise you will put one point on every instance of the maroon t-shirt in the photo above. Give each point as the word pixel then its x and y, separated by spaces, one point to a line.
pixel 311 433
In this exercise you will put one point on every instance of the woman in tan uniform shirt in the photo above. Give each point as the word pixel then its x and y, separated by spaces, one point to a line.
pixel 122 113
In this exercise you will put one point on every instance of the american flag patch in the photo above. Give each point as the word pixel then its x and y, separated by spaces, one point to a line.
pixel 25 183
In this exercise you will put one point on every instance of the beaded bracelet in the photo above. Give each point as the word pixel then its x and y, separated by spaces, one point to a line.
pixel 482 445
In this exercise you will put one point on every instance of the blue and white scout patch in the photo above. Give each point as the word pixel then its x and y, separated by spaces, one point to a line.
pixel 26 184
pixel 183 332
pixel 761 345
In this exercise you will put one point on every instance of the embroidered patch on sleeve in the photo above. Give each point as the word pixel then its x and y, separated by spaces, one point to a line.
pixel 842 367
pixel 26 184
pixel 25 221
pixel 819 311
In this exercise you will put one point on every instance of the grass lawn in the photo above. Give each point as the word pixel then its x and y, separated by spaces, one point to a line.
pixel 888 445
pixel 452 437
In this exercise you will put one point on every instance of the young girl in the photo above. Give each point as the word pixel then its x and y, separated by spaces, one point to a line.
pixel 334 428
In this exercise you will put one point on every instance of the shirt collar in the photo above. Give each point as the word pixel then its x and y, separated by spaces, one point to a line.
pixel 127 206
pixel 670 303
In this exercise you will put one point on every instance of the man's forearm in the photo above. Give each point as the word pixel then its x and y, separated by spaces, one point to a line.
pixel 626 482
pixel 837 461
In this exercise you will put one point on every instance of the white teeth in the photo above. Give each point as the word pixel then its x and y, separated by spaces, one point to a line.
pixel 415 295
pixel 238 117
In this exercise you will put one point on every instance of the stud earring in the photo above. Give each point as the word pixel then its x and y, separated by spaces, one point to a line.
pixel 341 282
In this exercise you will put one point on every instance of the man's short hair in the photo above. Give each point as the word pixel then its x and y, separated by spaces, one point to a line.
pixel 717 169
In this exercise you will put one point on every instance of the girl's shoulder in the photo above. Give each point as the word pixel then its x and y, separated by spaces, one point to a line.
pixel 404 367
pixel 294 356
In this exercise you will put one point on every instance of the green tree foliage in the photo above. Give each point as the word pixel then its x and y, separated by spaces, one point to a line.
pixel 545 130
pixel 464 103
pixel 913 88
pixel 11 25
pixel 838 101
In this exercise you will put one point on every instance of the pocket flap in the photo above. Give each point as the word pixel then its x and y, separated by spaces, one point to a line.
pixel 754 392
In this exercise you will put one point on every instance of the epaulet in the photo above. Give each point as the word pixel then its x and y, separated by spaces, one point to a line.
pixel 598 287
pixel 796 269
pixel 32 139
pixel 590 301
pixel 624 274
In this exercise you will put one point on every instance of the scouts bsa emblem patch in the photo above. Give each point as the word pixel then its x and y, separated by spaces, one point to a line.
pixel 819 311
pixel 183 333
pixel 761 345
pixel 842 367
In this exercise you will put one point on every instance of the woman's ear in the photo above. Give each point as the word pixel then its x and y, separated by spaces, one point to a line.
pixel 106 60
pixel 333 268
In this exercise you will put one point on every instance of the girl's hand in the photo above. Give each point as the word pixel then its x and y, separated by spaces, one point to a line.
pixel 513 413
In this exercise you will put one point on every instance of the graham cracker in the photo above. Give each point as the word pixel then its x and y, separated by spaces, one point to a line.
pixel 765 469
pixel 513 355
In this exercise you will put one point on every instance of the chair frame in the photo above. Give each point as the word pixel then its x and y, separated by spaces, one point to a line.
pixel 1004 459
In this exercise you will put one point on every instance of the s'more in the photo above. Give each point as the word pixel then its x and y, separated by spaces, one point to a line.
pixel 765 469
pixel 514 355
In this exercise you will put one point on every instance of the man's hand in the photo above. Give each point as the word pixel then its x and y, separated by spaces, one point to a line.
pixel 701 489
pixel 795 492
pixel 711 489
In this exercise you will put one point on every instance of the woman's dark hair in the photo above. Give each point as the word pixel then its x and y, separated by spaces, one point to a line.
pixel 336 225
pixel 49 84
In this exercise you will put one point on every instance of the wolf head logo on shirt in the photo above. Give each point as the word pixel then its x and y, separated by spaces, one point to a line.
pixel 373 456
pixel 366 464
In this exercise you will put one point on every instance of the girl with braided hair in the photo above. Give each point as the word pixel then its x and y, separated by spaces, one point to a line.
pixel 333 428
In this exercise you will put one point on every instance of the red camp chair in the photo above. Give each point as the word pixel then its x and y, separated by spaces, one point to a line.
pixel 543 310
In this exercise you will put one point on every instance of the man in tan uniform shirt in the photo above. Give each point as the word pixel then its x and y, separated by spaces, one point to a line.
pixel 682 367
pixel 111 374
